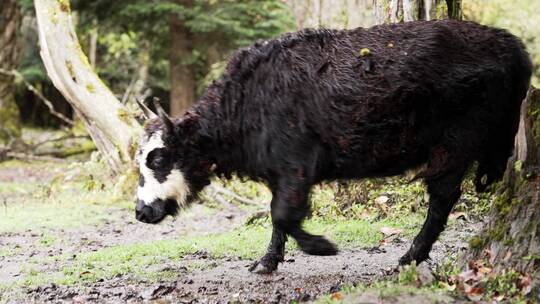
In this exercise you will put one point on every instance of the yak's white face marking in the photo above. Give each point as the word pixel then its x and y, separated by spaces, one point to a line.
pixel 174 186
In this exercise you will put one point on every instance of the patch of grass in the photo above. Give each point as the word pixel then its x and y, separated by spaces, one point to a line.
pixel 387 292
pixel 34 215
pixel 47 240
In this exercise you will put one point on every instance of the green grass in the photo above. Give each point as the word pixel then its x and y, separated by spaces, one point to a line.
pixel 138 261
pixel 34 214
pixel 74 198
pixel 390 291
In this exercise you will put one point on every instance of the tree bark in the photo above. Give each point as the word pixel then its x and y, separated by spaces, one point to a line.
pixel 512 234
pixel 113 129
pixel 183 83
pixel 10 22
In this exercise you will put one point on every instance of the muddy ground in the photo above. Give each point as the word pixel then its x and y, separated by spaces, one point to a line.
pixel 299 278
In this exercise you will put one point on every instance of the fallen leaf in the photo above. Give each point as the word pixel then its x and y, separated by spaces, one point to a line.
pixel 336 296
pixel 475 294
pixel 498 297
pixel 388 231
pixel 525 285
pixel 484 269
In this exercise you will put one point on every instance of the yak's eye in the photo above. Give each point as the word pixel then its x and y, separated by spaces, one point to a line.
pixel 157 159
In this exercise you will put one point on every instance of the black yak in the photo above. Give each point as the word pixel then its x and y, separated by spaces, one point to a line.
pixel 323 104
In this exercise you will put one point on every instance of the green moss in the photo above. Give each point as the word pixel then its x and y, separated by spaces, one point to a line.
pixel 82 55
pixel 71 70
pixel 90 87
pixel 476 242
pixel 54 16
pixel 499 231
pixel 502 204
pixel 125 116
pixel 10 124
pixel 64 5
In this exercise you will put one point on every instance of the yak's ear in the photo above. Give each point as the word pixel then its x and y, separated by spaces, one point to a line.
pixel 168 129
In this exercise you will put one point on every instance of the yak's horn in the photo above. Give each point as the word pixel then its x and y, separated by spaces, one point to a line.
pixel 148 114
pixel 167 122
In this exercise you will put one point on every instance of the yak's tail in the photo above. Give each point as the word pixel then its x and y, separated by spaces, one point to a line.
pixel 500 143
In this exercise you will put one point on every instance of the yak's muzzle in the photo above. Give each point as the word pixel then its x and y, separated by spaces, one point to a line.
pixel 156 211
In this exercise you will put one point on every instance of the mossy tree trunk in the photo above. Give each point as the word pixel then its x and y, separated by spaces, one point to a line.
pixel 112 127
pixel 392 11
pixel 512 234
pixel 10 21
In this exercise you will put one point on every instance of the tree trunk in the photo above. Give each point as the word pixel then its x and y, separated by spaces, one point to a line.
pixel 10 22
pixel 512 233
pixel 183 84
pixel 113 129
pixel 392 11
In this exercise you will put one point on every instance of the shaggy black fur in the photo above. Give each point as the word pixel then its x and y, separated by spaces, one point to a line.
pixel 308 107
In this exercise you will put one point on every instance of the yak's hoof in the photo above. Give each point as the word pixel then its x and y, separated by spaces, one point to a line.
pixel 405 259
pixel 267 264
pixel 409 257
pixel 317 245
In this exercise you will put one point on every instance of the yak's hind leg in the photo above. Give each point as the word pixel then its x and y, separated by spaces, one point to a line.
pixel 274 254
pixel 444 191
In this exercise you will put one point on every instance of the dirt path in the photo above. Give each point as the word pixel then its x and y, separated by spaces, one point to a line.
pixel 300 278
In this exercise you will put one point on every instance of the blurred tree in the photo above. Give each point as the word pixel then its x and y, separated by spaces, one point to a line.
pixel 185 38
pixel 332 13
pixel 391 11
pixel 520 17
pixel 10 50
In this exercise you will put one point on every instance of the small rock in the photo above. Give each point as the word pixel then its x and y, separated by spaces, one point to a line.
pixel 425 276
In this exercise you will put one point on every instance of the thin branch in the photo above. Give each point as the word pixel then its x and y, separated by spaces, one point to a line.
pixel 37 93
pixel 31 157
pixel 59 139
pixel 221 190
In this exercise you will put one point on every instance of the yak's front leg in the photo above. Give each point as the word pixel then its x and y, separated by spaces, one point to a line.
pixel 290 206
pixel 274 254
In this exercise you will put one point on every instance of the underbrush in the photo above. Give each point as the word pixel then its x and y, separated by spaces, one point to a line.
pixel 448 283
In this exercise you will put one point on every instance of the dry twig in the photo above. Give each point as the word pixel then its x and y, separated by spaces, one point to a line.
pixel 36 92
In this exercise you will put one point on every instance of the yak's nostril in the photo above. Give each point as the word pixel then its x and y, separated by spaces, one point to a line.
pixel 145 214
pixel 140 205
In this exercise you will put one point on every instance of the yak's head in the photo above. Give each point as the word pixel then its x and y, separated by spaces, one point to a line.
pixel 171 172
